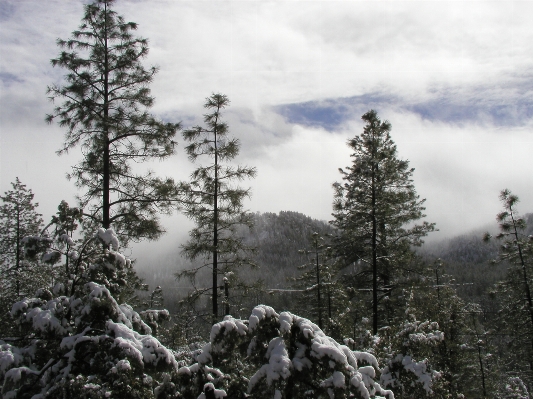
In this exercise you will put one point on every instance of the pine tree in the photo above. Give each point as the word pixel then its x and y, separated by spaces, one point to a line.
pixel 280 356
pixel 212 199
pixel 322 296
pixel 76 341
pixel 18 219
pixel 105 111
pixel 372 209
pixel 514 294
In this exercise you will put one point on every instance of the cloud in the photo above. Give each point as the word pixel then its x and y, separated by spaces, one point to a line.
pixel 452 77
pixel 508 104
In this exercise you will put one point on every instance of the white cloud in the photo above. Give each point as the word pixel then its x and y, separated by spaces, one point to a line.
pixel 265 54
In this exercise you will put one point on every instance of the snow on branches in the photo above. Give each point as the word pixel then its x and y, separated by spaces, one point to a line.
pixel 273 355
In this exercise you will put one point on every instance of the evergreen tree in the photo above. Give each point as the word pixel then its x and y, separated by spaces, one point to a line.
pixel 76 341
pixel 322 295
pixel 18 219
pixel 273 355
pixel 372 209
pixel 69 258
pixel 514 295
pixel 105 111
pixel 213 201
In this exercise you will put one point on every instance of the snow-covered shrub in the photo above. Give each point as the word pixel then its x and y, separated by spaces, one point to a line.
pixel 86 346
pixel 83 345
pixel 514 388
pixel 273 355
pixel 403 350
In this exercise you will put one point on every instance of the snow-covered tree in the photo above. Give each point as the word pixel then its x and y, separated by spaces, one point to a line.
pixel 105 106
pixel 273 355
pixel 214 202
pixel 374 209
pixel 18 218
pixel 404 350
pixel 77 341
pixel 514 294
pixel 57 247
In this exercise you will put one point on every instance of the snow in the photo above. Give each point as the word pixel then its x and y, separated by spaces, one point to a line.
pixel 228 325
pixel 10 357
pixel 66 239
pixel 209 387
pixel 16 373
pixel 189 370
pixel 143 348
pixel 108 237
pixel 337 379
pixel 51 257
pixel 120 259
pixel 367 358
pixel 285 322
pixel 259 313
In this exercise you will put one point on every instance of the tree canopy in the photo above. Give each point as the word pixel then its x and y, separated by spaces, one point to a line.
pixel 105 110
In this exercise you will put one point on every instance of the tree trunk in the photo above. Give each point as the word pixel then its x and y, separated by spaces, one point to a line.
pixel 106 161
pixel 215 231
pixel 318 290
pixel 374 252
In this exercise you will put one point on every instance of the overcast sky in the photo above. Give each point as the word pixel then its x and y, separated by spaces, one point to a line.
pixel 454 78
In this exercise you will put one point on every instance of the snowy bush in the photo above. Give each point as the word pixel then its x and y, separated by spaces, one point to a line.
pixel 86 346
pixel 83 345
pixel 273 355
pixel 514 388
pixel 403 347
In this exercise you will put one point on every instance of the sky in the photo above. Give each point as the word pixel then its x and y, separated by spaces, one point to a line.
pixel 454 78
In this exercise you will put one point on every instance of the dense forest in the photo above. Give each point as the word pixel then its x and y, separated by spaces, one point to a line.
pixel 251 305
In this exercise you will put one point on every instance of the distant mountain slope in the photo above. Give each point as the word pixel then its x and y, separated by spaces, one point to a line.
pixel 467 258
pixel 278 238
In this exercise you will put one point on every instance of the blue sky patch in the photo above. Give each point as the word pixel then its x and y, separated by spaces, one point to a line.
pixel 6 11
pixel 331 113
pixel 482 106
pixel 8 78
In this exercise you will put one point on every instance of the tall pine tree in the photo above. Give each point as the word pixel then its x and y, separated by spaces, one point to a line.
pixel 373 208
pixel 105 106
pixel 212 199
pixel 514 293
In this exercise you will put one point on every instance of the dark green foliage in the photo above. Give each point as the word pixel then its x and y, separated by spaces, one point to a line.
pixel 372 208
pixel 321 295
pixel 274 355
pixel 19 276
pixel 105 111
pixel 214 202
pixel 515 316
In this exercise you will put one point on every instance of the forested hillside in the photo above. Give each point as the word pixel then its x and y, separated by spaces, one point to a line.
pixel 365 309
pixel 467 259
pixel 277 239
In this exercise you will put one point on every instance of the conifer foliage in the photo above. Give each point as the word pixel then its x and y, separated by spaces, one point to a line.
pixel 75 340
pixel 279 356
pixel 105 111
pixel 213 200
pixel 372 208
pixel 514 293
pixel 322 296
pixel 18 218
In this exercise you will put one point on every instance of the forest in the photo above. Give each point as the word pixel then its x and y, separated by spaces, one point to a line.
pixel 251 305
